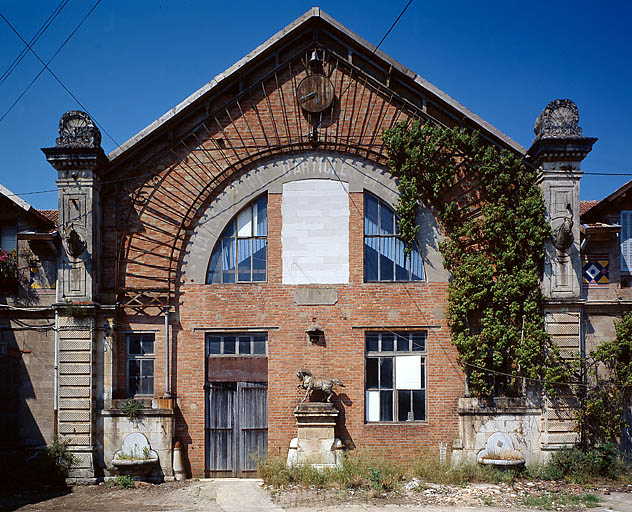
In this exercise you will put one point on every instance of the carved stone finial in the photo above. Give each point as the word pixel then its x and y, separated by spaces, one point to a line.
pixel 558 120
pixel 76 129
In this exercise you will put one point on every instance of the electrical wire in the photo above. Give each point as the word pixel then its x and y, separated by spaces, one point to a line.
pixel 46 68
pixel 34 39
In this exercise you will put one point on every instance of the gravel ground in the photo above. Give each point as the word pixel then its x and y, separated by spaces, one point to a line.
pixel 248 495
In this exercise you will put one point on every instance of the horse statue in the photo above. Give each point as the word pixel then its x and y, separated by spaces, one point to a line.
pixel 311 383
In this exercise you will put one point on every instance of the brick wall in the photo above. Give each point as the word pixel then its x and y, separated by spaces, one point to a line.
pixel 147 222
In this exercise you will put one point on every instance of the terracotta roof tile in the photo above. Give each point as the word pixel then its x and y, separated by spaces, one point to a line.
pixel 584 206
pixel 51 215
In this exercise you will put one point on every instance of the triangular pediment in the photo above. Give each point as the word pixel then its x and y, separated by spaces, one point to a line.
pixel 315 29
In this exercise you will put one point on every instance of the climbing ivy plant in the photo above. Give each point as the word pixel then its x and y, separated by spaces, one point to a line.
pixel 493 216
pixel 601 414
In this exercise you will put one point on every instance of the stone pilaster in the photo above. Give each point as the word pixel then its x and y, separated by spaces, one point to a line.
pixel 558 150
pixel 78 159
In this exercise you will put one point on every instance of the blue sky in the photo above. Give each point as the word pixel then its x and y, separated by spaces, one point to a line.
pixel 131 61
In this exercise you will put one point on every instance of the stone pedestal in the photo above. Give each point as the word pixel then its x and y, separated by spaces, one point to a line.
pixel 316 443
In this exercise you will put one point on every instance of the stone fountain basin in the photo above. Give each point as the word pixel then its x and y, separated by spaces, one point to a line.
pixel 135 467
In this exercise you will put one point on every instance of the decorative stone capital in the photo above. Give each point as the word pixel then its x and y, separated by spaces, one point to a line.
pixel 78 147
pixel 558 137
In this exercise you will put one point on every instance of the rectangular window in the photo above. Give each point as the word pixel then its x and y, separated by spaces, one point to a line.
pixel 237 344
pixel 395 376
pixel 140 364
pixel 9 237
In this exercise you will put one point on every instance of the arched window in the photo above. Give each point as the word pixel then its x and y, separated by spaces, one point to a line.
pixel 240 253
pixel 384 258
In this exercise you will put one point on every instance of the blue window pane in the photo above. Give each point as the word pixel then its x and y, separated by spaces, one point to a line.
pixel 134 345
pixel 402 342
pixel 419 404
pixel 134 368
pixel 403 405
pixel 402 270
pixel 417 273
pixel 387 247
pixel 388 342
pixel 386 372
pixel 260 212
pixel 419 342
pixel 147 345
pixel 372 342
pixel 387 220
pixel 370 215
pixel 230 230
pixel 244 253
pixel 229 345
pixel 244 344
pixel 259 259
pixel 133 385
pixel 370 258
pixel 386 406
pixel 259 345
pixel 214 345
pixel 215 268
pixel 371 373
pixel 147 379
pixel 228 260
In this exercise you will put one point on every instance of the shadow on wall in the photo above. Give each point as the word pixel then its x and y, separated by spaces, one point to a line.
pixel 342 432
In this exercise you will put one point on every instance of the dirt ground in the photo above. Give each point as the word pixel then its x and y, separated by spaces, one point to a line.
pixel 199 496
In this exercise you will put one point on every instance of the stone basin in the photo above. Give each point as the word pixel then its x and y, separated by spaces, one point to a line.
pixel 135 458
pixel 499 451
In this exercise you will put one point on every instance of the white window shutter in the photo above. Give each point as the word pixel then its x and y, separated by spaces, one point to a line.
pixel 626 241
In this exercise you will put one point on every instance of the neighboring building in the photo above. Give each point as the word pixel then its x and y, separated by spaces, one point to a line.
pixel 607 270
pixel 28 248
pixel 249 233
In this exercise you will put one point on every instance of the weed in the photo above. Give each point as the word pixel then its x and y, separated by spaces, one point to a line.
pixel 430 469
pixel 124 481
pixel 556 500
pixel 131 408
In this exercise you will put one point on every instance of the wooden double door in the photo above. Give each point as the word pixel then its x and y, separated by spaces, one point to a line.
pixel 236 428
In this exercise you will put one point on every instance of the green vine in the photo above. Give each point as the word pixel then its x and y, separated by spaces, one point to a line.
pixel 492 212
pixel 601 415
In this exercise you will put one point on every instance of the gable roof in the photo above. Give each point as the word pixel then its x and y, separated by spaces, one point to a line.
pixel 314 15
pixel 23 205
pixel 599 206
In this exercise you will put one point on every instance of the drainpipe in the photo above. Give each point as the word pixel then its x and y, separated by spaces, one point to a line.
pixel 56 374
pixel 167 390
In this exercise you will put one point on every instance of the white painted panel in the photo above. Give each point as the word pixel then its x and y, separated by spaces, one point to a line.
pixel 373 405
pixel 408 372
pixel 315 232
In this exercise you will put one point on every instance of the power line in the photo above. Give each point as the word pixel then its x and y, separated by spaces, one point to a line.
pixel 45 64
pixel 33 40
pixel 380 43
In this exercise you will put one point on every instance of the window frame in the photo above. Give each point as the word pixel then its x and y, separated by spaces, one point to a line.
pixel 236 335
pixel 393 355
pixel 139 357
pixel 381 237
pixel 236 239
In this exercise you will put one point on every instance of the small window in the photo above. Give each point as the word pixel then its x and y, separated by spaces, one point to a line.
pixel 236 344
pixel 395 376
pixel 140 364
pixel 595 270
pixel 384 256
pixel 9 237
pixel 240 253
